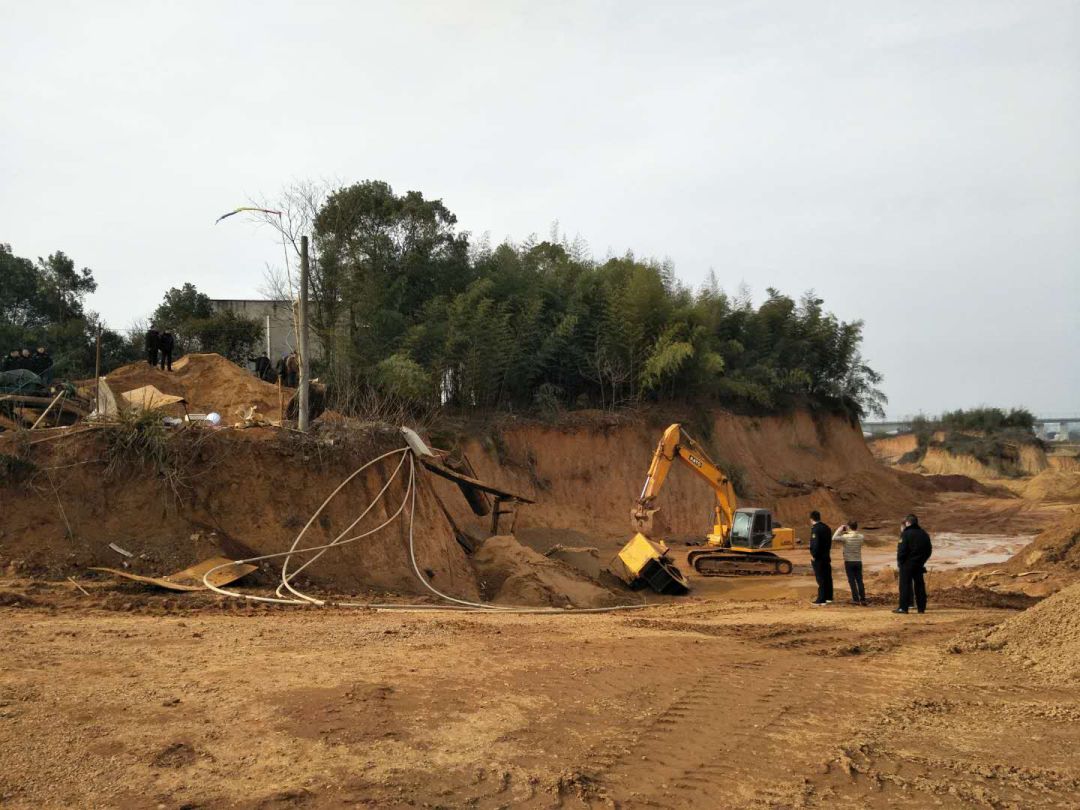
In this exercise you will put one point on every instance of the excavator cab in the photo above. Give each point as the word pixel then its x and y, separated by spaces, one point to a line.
pixel 751 529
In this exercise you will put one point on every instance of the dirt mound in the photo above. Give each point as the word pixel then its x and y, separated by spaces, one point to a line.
pixel 208 382
pixel 239 493
pixel 1059 485
pixel 1058 546
pixel 1045 637
pixel 950 483
pixel 513 574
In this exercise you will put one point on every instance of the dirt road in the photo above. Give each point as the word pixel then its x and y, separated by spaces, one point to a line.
pixel 704 703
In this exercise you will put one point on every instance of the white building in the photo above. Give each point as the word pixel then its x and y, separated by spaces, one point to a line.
pixel 279 335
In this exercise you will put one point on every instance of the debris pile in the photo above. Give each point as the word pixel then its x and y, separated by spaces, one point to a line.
pixel 207 382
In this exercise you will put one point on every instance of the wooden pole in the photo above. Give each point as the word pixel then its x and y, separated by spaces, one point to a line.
pixel 302 349
pixel 45 412
pixel 97 373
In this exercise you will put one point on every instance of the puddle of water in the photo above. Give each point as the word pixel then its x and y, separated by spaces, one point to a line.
pixel 953 550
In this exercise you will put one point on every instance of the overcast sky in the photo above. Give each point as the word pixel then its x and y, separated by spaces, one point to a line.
pixel 916 163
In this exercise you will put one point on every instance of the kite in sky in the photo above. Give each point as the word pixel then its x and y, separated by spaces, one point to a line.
pixel 246 208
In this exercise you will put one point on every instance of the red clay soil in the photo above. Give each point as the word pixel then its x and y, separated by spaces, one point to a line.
pixel 585 474
pixel 241 494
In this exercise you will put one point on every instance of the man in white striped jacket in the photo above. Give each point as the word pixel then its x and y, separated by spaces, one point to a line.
pixel 853 542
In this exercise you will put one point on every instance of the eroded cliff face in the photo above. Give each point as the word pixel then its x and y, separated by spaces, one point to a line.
pixel 585 474
pixel 250 492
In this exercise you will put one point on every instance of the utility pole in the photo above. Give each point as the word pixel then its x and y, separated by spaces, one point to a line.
pixel 97 372
pixel 302 349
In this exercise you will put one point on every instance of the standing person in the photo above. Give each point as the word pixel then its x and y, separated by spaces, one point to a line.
pixel 282 371
pixel 43 364
pixel 821 558
pixel 166 341
pixel 153 343
pixel 853 542
pixel 292 369
pixel 11 361
pixel 25 360
pixel 262 367
pixel 912 552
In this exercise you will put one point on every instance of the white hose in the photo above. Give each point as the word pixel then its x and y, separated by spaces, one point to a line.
pixel 409 497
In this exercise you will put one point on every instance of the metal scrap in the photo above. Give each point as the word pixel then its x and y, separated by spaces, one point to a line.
pixel 191 578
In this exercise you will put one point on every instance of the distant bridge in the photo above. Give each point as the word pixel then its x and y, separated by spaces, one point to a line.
pixel 1042 425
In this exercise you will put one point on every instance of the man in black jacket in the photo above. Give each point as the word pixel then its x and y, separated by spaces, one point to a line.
pixel 153 343
pixel 912 553
pixel 166 342
pixel 820 558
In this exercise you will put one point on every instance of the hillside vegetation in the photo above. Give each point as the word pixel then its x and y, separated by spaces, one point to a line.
pixel 407 302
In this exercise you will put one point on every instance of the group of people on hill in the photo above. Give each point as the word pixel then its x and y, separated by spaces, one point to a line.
pixel 287 369
pixel 159 348
pixel 40 362
pixel 912 552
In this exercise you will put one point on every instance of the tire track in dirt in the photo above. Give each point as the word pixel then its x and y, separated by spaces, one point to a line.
pixel 972 737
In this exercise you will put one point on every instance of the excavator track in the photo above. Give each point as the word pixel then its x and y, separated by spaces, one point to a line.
pixel 737 564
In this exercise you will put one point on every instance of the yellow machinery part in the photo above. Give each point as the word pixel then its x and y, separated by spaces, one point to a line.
pixel 643 561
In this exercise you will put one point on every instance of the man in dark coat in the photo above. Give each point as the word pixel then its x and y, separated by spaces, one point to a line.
pixel 42 364
pixel 821 558
pixel 262 365
pixel 153 343
pixel 166 342
pixel 11 361
pixel 292 370
pixel 912 553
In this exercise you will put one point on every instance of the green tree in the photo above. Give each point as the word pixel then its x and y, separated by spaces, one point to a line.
pixel 42 304
pixel 191 318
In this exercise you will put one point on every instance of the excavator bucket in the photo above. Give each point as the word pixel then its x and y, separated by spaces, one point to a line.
pixel 641 562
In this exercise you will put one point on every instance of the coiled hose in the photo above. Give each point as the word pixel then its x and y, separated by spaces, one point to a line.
pixel 452 602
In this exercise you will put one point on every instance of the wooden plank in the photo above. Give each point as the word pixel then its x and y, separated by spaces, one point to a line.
pixel 461 478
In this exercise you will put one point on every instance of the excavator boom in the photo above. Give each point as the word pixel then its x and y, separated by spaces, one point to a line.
pixel 741 541
pixel 677 445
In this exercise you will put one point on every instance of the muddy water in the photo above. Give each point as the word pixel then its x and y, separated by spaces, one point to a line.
pixel 953 550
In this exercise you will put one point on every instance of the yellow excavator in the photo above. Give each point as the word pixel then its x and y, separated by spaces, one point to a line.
pixel 742 540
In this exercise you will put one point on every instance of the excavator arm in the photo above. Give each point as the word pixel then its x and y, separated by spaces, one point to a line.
pixel 677 445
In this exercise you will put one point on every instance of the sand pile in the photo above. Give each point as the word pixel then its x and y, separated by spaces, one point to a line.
pixel 1045 637
pixel 1059 485
pixel 208 382
pixel 1057 547
pixel 513 574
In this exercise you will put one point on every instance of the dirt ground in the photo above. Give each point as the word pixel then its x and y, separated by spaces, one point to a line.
pixel 744 699
pixel 740 695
